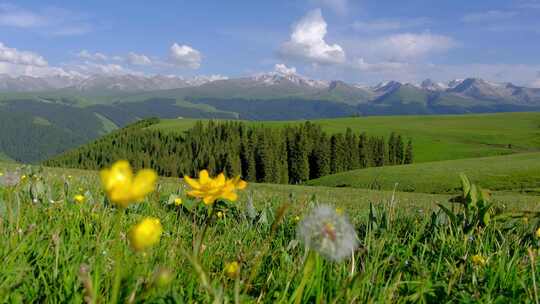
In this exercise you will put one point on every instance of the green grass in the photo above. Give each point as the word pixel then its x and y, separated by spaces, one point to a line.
pixel 435 137
pixel 518 173
pixel 61 251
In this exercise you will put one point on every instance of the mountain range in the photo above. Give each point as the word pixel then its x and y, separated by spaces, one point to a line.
pixel 43 116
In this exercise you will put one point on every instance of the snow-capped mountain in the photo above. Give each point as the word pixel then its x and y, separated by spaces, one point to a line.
pixel 126 83
pixel 275 78
pixel 386 87
pixel 430 85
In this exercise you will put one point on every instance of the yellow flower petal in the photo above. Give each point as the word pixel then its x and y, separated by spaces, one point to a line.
pixel 143 184
pixel 209 200
pixel 120 186
pixel 204 177
pixel 231 196
pixel 145 234
pixel 192 182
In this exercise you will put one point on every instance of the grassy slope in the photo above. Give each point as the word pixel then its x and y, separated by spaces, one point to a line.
pixel 519 172
pixel 51 252
pixel 437 137
pixel 354 199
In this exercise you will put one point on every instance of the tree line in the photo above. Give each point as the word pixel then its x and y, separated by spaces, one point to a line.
pixel 290 154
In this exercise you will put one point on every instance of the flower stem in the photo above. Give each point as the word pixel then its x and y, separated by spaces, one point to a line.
pixel 309 265
pixel 118 257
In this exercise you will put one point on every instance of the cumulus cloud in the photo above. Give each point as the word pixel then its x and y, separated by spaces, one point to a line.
pixel 493 15
pixel 405 46
pixel 184 56
pixel 14 56
pixel 138 59
pixel 338 6
pixel 97 56
pixel 281 68
pixel 308 43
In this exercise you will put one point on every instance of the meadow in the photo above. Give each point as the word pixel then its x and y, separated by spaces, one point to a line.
pixel 513 173
pixel 435 137
pixel 65 238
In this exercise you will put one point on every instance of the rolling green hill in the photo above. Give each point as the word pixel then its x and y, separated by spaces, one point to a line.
pixel 36 128
pixel 519 172
pixel 435 137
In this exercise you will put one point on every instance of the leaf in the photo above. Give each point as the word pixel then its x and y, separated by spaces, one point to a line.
pixel 251 212
pixel 473 194
pixel 465 184
pixel 451 215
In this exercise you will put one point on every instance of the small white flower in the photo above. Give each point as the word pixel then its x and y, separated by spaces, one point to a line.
pixel 328 233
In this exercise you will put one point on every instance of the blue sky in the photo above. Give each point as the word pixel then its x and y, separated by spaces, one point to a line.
pixel 359 41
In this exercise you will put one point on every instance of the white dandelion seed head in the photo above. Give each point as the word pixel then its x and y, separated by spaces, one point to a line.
pixel 10 179
pixel 328 233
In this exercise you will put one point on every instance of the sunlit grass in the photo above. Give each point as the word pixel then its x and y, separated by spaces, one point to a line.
pixel 60 250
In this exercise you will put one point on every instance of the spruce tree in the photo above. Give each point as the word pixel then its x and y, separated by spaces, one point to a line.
pixel 408 158
pixel 299 170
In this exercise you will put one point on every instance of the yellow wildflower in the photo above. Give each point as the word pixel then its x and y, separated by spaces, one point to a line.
pixel 145 234
pixel 238 183
pixel 123 188
pixel 478 260
pixel 339 211
pixel 232 268
pixel 220 214
pixel 177 201
pixel 212 189
pixel 79 198
pixel 297 218
pixel 1 173
pixel 23 177
pixel 538 232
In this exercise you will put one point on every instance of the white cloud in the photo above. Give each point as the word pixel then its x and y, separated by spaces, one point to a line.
pixel 138 59
pixel 11 15
pixel 71 30
pixel 185 56
pixel 381 25
pixel 14 56
pixel 93 68
pixel 307 41
pixel 338 6
pixel 493 15
pixel 49 20
pixel 97 56
pixel 383 66
pixel 519 74
pixel 15 70
pixel 281 68
pixel 528 4
pixel 409 46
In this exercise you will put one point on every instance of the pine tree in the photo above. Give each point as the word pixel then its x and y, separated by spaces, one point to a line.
pixel 319 160
pixel 408 158
pixel 299 165
pixel 392 149
pixel 399 150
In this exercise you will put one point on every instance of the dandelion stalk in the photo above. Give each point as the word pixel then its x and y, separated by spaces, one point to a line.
pixel 309 265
